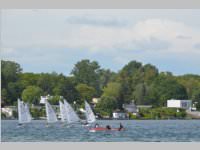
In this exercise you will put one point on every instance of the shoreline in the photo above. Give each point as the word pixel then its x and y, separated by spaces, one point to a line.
pixel 112 119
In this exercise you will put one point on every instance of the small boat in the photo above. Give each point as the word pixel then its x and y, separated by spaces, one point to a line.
pixel 105 129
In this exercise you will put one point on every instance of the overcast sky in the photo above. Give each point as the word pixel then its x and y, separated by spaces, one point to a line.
pixel 54 40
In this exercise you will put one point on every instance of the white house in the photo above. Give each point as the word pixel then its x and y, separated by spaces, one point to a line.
pixel 119 115
pixel 185 104
pixel 7 111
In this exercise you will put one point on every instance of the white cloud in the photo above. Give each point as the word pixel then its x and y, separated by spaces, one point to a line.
pixel 39 36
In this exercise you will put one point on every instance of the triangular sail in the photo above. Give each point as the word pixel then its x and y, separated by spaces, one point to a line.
pixel 72 117
pixel 28 115
pixel 90 117
pixel 63 112
pixel 51 115
pixel 23 112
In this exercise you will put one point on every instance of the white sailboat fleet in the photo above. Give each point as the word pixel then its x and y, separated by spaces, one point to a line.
pixel 67 113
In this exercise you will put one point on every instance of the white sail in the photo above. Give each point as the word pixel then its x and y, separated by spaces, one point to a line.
pixel 51 115
pixel 72 117
pixel 23 112
pixel 28 115
pixel 63 112
pixel 90 117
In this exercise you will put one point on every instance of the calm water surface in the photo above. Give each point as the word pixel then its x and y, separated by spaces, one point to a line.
pixel 136 131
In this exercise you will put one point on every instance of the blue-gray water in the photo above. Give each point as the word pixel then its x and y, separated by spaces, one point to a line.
pixel 136 131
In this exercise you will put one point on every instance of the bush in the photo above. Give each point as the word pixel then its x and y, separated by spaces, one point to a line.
pixel 132 116
pixel 161 113
pixel 15 114
pixel 3 116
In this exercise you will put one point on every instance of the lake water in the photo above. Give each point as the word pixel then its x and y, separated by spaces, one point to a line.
pixel 136 131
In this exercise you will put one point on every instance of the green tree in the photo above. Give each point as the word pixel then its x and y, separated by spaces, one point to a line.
pixel 66 88
pixel 106 105
pixel 87 72
pixel 113 89
pixel 165 87
pixel 106 76
pixel 140 93
pixel 32 94
pixel 9 72
pixel 86 92
pixel 196 97
pixel 9 76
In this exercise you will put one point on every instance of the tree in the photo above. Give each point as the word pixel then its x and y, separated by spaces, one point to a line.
pixel 9 76
pixel 106 76
pixel 86 92
pixel 86 72
pixel 165 87
pixel 196 97
pixel 140 93
pixel 66 88
pixel 106 105
pixel 32 94
pixel 9 72
pixel 150 73
pixel 113 89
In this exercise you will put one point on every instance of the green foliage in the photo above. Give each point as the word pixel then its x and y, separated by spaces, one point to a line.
pixel 165 87
pixel 54 100
pixel 132 116
pixel 9 72
pixel 135 81
pixel 106 76
pixel 9 76
pixel 106 105
pixel 66 87
pixel 15 114
pixel 32 94
pixel 3 115
pixel 36 113
pixel 86 72
pixel 86 92
pixel 112 90
pixel 161 113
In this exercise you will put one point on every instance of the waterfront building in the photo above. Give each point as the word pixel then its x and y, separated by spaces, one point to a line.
pixel 117 114
pixel 174 103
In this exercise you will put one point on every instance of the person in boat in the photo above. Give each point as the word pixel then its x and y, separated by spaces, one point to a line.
pixel 121 127
pixel 108 127
pixel 20 124
pixel 85 123
pixel 96 125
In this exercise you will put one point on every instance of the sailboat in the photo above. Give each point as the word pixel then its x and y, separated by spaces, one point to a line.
pixel 29 118
pixel 71 115
pixel 24 115
pixel 51 115
pixel 63 112
pixel 90 117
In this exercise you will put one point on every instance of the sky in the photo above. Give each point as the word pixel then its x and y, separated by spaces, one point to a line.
pixel 55 39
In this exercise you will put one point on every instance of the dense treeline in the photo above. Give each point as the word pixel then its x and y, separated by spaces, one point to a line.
pixel 135 81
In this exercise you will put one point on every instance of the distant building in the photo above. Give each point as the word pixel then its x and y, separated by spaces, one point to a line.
pixel 185 104
pixel 131 108
pixel 119 115
pixel 95 100
pixel 8 111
